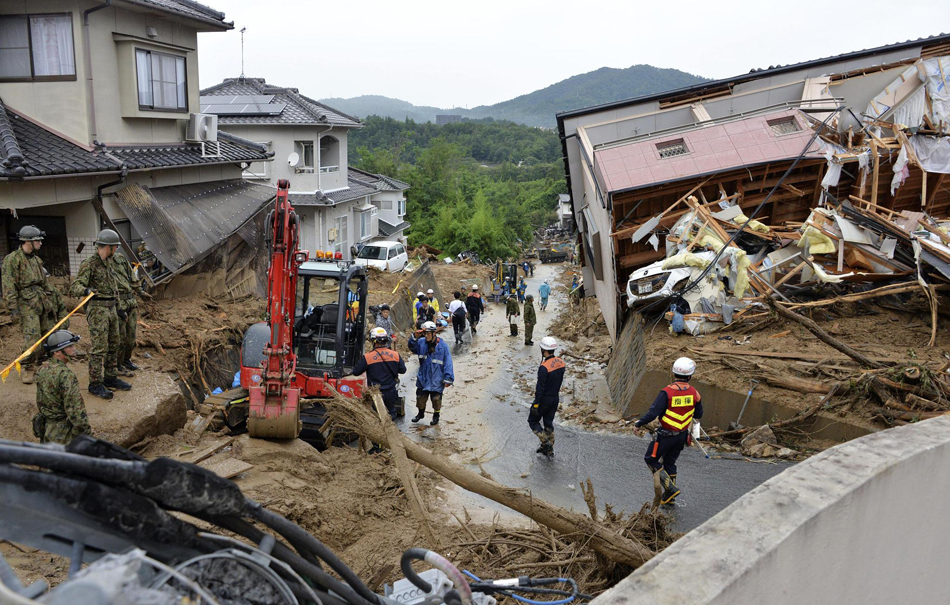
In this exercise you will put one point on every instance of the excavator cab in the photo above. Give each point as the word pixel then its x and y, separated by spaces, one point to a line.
pixel 331 318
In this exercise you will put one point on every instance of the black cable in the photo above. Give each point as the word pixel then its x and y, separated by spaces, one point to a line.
pixel 296 535
pixel 114 472
pixel 405 564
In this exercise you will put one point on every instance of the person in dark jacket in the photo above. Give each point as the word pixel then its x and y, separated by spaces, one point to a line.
pixel 530 319
pixel 678 406
pixel 435 370
pixel 457 312
pixel 475 304
pixel 383 367
pixel 546 396
pixel 513 312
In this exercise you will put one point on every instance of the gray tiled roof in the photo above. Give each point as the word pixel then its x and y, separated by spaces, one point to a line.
pixel 187 8
pixel 388 229
pixel 379 181
pixel 28 149
pixel 298 110
pixel 234 149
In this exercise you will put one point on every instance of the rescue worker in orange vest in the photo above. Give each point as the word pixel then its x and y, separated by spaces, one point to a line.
pixel 383 367
pixel 546 396
pixel 677 406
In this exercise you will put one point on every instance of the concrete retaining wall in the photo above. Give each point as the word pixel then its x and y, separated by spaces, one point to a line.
pixel 864 522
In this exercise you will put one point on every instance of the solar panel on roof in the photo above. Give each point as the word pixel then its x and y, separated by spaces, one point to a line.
pixel 236 99
pixel 244 109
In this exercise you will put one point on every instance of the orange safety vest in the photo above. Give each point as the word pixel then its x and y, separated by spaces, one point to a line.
pixel 679 409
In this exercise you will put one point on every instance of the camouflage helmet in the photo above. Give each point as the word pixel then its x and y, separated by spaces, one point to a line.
pixel 31 233
pixel 59 340
pixel 108 237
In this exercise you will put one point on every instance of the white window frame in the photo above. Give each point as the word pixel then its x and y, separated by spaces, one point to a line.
pixel 401 207
pixel 301 148
pixel 366 221
pixel 249 172
pixel 341 235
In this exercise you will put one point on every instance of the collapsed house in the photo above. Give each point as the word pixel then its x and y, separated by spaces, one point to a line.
pixel 840 164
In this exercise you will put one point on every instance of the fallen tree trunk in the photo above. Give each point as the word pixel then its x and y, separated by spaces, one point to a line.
pixel 354 415
pixel 803 385
pixel 825 337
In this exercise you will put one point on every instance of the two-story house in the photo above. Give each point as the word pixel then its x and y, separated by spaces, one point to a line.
pixel 96 100
pixel 339 207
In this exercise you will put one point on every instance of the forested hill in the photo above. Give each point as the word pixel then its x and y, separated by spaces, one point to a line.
pixel 487 142
pixel 537 108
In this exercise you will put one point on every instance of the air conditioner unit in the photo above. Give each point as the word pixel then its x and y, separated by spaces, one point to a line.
pixel 202 127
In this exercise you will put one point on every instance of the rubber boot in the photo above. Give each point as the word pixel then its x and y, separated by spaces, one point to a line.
pixel 435 419
pixel 670 491
pixel 97 389
pixel 418 416
pixel 673 479
pixel 26 375
pixel 123 371
pixel 130 365
pixel 116 384
pixel 549 445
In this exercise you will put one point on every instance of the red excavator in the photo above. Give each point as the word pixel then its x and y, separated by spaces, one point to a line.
pixel 312 337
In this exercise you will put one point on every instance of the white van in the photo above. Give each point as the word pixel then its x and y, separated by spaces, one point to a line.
pixel 387 256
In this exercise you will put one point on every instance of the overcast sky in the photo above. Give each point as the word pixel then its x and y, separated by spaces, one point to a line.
pixel 479 53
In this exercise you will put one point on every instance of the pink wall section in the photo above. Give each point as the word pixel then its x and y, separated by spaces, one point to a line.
pixel 711 149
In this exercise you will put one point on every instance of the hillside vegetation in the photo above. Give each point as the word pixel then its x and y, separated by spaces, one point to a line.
pixel 537 108
pixel 468 190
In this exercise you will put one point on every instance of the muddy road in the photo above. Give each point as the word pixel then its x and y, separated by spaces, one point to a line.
pixel 486 414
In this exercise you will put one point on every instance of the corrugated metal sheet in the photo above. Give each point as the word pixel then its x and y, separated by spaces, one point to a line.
pixel 182 224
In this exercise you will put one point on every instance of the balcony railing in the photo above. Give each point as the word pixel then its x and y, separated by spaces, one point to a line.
pixel 325 169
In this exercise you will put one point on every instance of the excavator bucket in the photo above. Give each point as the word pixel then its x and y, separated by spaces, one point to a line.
pixel 274 417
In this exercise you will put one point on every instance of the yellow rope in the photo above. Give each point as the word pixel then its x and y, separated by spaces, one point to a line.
pixel 16 362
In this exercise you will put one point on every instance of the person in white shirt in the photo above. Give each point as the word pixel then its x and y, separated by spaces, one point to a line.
pixel 457 310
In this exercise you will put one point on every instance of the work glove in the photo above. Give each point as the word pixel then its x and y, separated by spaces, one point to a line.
pixel 87 292
pixel 695 430
pixel 122 314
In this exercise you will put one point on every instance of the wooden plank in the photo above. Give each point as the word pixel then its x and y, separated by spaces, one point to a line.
pixel 640 258
pixel 196 456
pixel 227 468
pixel 631 230
pixel 877 172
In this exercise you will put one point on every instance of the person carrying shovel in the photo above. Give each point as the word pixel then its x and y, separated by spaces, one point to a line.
pixel 677 406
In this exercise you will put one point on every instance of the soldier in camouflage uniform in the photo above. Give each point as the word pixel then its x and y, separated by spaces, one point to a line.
pixel 129 284
pixel 62 413
pixel 29 295
pixel 96 276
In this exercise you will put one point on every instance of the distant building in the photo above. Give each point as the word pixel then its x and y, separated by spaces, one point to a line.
pixel 447 118
pixel 565 212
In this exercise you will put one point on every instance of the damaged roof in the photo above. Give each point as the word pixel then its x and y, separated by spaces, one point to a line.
pixel 297 109
pixel 753 74
pixel 183 223
pixel 769 137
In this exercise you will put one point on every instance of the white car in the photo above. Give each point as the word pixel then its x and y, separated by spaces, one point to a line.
pixel 653 281
pixel 386 256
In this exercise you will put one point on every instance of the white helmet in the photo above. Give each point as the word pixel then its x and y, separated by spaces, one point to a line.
pixel 378 334
pixel 548 343
pixel 475 287
pixel 429 291
pixel 420 294
pixel 684 366
pixel 429 326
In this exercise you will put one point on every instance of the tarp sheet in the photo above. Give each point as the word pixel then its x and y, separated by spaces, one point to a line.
pixel 180 225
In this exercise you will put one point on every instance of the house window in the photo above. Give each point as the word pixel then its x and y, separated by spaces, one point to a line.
pixel 366 222
pixel 37 47
pixel 386 205
pixel 340 244
pixel 305 151
pixel 329 154
pixel 402 208
pixel 671 149
pixel 161 81
pixel 782 126
pixel 259 170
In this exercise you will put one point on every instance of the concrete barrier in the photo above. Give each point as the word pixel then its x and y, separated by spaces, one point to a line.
pixel 864 522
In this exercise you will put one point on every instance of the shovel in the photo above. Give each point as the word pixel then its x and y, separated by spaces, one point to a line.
pixel 735 425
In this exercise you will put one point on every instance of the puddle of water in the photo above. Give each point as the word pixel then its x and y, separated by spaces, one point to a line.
pixel 721 406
